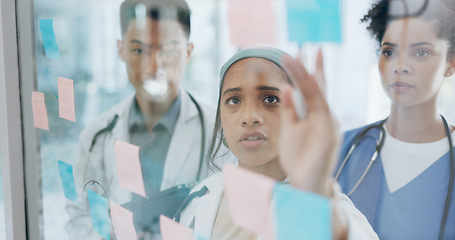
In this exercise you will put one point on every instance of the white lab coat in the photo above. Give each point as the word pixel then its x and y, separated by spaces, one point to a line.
pixel 183 156
pixel 99 164
pixel 202 211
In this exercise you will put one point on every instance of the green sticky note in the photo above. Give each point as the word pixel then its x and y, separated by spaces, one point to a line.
pixel 314 20
pixel 301 215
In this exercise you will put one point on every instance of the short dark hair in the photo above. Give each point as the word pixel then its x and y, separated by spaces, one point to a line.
pixel 158 10
pixel 440 11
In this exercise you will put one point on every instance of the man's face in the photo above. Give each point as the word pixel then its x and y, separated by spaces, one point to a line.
pixel 152 49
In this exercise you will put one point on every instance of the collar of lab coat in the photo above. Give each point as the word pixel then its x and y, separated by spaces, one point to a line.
pixel 186 128
pixel 204 210
pixel 187 111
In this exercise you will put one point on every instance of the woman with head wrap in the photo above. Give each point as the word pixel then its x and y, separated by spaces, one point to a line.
pixel 257 121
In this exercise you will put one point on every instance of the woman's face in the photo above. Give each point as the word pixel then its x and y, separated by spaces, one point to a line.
pixel 250 110
pixel 413 62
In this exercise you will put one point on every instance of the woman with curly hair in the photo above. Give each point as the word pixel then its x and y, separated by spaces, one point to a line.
pixel 399 172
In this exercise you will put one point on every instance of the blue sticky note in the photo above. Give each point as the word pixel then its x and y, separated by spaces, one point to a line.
pixel 47 33
pixel 66 175
pixel 199 237
pixel 301 215
pixel 99 214
pixel 314 20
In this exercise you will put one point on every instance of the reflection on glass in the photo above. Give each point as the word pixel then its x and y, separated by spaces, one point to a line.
pixel 88 57
pixel 144 64
pixel 152 125
pixel 155 114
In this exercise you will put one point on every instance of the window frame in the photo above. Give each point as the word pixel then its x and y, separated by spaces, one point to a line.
pixel 11 125
pixel 18 143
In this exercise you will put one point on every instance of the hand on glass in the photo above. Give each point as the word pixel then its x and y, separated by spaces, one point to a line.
pixel 309 146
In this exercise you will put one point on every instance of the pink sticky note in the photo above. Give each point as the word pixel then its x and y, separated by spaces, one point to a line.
pixel 66 99
pixel 171 230
pixel 122 220
pixel 39 111
pixel 249 28
pixel 129 167
pixel 249 196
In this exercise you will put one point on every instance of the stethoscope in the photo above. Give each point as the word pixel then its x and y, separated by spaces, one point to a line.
pixel 113 122
pixel 360 136
pixel 202 192
pixel 380 144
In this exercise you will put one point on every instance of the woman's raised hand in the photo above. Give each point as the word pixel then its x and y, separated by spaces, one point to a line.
pixel 309 146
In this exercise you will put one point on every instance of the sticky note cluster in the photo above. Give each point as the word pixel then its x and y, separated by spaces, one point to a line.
pixel 66 105
pixel 65 86
pixel 275 210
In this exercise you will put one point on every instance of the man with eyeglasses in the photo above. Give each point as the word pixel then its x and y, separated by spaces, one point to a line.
pixel 161 118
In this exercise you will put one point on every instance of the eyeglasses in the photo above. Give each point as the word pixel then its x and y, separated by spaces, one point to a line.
pixel 165 54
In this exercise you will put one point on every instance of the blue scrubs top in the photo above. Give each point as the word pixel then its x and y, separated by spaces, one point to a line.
pixel 413 212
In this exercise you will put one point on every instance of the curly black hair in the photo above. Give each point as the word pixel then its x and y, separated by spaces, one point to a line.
pixel 440 11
